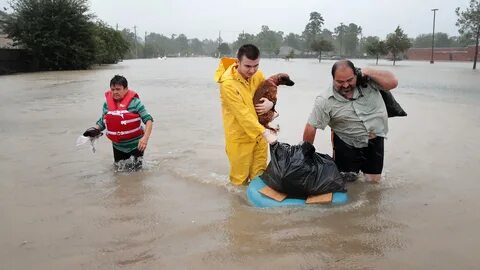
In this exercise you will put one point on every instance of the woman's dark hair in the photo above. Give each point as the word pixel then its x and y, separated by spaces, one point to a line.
pixel 119 80
pixel 342 63
pixel 249 50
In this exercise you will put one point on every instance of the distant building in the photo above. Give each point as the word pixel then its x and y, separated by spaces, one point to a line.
pixel 442 54
pixel 6 43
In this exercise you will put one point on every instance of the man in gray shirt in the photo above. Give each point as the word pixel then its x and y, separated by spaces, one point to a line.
pixel 355 111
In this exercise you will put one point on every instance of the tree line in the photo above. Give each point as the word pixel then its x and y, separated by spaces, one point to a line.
pixel 63 34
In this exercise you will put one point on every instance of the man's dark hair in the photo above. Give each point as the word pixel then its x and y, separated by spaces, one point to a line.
pixel 119 80
pixel 249 50
pixel 343 63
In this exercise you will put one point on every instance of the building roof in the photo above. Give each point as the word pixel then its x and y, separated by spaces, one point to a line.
pixel 6 43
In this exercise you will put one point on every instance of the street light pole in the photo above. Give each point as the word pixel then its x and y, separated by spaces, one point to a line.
pixel 433 35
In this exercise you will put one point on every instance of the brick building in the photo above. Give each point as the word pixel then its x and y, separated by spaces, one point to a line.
pixel 442 54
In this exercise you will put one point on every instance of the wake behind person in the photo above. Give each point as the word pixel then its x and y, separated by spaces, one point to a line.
pixel 245 138
pixel 355 111
pixel 122 117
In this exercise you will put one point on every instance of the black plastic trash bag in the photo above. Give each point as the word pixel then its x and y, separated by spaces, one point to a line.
pixel 393 108
pixel 298 171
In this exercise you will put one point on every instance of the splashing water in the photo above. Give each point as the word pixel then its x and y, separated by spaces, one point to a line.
pixel 132 164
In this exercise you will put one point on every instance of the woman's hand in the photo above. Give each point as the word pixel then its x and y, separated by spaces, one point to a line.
pixel 142 144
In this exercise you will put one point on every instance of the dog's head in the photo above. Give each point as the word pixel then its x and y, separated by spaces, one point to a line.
pixel 283 79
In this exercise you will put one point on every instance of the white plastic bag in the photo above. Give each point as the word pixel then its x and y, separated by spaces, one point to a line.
pixel 81 140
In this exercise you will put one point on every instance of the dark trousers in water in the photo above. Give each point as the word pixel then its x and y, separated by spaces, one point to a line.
pixel 137 154
pixel 369 159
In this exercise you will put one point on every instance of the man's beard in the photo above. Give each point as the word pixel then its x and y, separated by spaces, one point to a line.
pixel 346 92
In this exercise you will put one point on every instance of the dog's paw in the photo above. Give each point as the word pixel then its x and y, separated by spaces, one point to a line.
pixel 275 128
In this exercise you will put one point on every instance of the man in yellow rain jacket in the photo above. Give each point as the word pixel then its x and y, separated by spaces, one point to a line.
pixel 245 138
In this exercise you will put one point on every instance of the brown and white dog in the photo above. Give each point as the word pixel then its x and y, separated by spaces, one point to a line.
pixel 268 90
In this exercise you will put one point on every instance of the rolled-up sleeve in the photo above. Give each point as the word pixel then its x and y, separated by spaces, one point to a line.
pixel 144 114
pixel 319 117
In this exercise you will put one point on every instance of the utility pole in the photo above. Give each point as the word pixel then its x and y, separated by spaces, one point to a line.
pixel 433 34
pixel 219 42
pixel 116 27
pixel 145 46
pixel 135 41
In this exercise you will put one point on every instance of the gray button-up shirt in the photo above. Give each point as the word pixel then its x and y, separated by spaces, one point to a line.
pixel 352 120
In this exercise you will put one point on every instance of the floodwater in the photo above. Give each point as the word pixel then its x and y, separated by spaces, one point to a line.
pixel 63 207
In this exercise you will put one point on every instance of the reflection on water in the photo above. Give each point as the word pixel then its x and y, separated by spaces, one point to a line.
pixel 315 237
pixel 67 208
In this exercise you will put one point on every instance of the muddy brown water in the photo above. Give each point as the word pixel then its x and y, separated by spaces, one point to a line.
pixel 62 207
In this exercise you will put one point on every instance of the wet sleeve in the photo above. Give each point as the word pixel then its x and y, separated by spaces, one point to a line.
pixel 138 107
pixel 243 114
pixel 100 121
pixel 319 117
pixel 375 86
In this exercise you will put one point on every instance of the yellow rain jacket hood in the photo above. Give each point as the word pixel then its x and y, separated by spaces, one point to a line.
pixel 240 120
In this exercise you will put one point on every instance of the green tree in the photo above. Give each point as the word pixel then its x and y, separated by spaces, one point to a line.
pixel 136 47
pixel 210 47
pixel 375 47
pixel 350 39
pixel 58 33
pixel 293 40
pixel 158 45
pixel 464 40
pixel 110 46
pixel 196 47
pixel 340 32
pixel 181 44
pixel 327 35
pixel 397 42
pixel 313 28
pixel 469 23
pixel 224 49
pixel 422 41
pixel 269 41
pixel 361 45
pixel 320 46
pixel 3 18
pixel 242 39
pixel 442 40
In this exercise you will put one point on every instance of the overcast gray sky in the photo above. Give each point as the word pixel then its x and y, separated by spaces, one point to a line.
pixel 205 18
